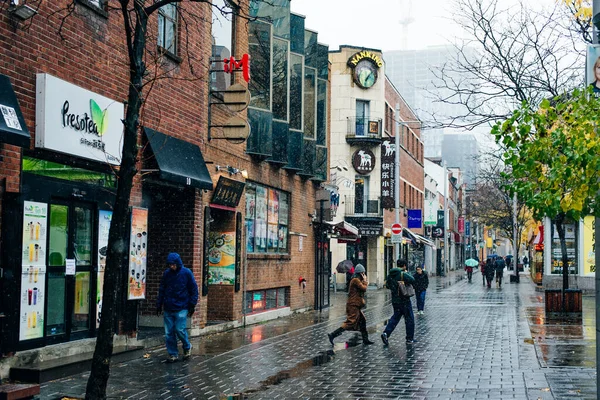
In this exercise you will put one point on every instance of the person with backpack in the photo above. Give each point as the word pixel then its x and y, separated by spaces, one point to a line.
pixel 401 304
pixel 355 318
pixel 499 265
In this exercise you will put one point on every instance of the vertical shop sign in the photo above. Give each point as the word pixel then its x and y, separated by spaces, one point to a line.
pixel 137 254
pixel 440 218
pixel 33 271
pixel 461 224
pixel 238 250
pixel 430 214
pixel 221 258
pixel 104 219
pixel 589 241
pixel 388 174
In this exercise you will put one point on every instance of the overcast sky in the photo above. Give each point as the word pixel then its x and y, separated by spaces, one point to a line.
pixel 377 23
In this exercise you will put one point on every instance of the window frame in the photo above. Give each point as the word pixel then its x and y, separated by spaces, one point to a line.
pixel 162 49
pixel 99 9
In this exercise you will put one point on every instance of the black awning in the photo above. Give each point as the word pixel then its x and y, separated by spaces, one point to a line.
pixel 13 129
pixel 179 161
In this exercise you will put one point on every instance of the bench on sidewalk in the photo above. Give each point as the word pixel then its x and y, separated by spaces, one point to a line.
pixel 14 391
pixel 44 371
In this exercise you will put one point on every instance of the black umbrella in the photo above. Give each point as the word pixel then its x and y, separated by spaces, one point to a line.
pixel 344 266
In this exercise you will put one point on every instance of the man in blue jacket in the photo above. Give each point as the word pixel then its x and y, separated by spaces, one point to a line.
pixel 178 295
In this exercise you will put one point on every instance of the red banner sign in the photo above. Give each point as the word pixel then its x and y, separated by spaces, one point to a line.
pixel 231 64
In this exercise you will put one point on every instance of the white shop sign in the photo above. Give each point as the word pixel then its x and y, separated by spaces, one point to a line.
pixel 75 121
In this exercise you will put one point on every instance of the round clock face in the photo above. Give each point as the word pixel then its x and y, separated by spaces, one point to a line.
pixel 365 74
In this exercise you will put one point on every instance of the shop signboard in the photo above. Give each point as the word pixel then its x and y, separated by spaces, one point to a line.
pixel 388 174
pixel 228 192
pixel 78 122
pixel 33 271
pixel 221 258
pixel 104 219
pixel 461 224
pixel 589 242
pixel 440 218
pixel 138 250
pixel 430 212
pixel 415 219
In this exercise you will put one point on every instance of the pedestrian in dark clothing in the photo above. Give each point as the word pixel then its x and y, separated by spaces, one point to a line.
pixel 355 318
pixel 489 271
pixel 178 295
pixel 482 270
pixel 402 305
pixel 420 285
pixel 499 265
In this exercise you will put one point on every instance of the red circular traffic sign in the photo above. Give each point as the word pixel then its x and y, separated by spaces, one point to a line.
pixel 396 229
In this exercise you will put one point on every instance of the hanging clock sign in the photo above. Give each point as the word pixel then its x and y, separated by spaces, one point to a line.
pixel 365 67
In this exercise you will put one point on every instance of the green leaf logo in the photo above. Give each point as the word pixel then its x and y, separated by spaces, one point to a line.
pixel 99 117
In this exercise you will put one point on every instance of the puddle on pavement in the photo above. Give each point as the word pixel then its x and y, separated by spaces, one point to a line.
pixel 323 358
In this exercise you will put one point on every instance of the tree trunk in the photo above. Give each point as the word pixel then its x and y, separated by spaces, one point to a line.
pixel 560 228
pixel 118 238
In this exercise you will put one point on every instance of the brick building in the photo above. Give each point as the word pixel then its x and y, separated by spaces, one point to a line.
pixel 362 160
pixel 237 211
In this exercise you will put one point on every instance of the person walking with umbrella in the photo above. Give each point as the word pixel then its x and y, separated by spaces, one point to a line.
pixel 355 318
pixel 346 267
pixel 469 264
pixel 489 271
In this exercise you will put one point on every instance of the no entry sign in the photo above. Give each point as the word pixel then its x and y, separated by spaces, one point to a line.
pixel 396 229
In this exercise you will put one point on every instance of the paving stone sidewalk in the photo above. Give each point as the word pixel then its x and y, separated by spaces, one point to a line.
pixel 473 343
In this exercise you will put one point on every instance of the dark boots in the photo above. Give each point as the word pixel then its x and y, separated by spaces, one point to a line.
pixel 365 338
pixel 335 334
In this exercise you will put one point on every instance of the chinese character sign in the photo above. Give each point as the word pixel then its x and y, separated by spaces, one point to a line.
pixel 461 224
pixel 388 174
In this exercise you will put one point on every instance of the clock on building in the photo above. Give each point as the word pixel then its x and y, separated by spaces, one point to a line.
pixel 365 74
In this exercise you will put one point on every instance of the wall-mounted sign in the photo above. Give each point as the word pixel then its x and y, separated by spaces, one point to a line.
pixel 365 65
pixel 228 192
pixel 437 232
pixel 430 212
pixel 415 219
pixel 231 64
pixel 440 218
pixel 363 161
pixel 461 224
pixel 388 174
pixel 75 121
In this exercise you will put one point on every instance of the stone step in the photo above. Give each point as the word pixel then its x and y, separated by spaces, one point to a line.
pixel 49 370
pixel 13 391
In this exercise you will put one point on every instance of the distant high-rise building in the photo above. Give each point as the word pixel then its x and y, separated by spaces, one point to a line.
pixel 461 150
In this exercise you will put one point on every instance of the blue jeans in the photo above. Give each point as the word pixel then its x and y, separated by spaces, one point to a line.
pixel 175 327
pixel 421 300
pixel 400 310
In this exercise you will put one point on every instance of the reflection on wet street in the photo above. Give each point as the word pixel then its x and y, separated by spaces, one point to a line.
pixel 472 342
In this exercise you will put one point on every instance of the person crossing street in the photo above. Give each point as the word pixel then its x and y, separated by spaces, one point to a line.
pixel 402 305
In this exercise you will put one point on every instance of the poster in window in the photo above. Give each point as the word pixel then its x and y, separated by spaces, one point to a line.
pixel 589 245
pixel 283 231
pixel 570 239
pixel 33 271
pixel 261 203
pixel 250 203
pixel 250 236
pixel 104 219
pixel 273 206
pixel 221 258
pixel 283 208
pixel 272 237
pixel 260 232
pixel 137 254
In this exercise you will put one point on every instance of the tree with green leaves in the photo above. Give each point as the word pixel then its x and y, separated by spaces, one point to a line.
pixel 553 155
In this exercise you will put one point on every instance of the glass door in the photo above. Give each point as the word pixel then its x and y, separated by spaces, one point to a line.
pixel 362 117
pixel 71 234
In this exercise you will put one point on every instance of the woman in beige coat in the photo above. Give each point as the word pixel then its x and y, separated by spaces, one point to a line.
pixel 355 319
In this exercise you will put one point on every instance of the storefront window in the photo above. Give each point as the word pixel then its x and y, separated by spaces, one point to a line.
pixel 67 172
pixel 571 242
pixel 267 215
pixel 263 300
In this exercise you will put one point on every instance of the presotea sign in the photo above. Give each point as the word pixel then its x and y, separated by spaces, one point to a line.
pixel 75 121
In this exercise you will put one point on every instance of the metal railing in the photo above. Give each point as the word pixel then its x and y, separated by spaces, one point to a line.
pixel 362 207
pixel 364 127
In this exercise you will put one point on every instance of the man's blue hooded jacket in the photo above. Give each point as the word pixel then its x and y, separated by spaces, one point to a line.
pixel 178 289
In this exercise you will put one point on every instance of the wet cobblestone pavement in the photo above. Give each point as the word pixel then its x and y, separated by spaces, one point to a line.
pixel 472 343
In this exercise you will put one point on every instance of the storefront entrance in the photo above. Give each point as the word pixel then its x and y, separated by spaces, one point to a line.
pixel 71 293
